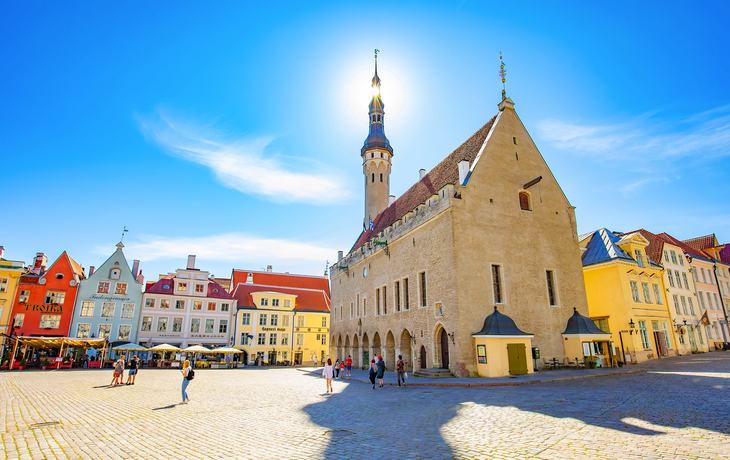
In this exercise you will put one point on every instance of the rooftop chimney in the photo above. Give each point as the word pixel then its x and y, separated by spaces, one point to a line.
pixel 391 199
pixel 463 171
pixel 191 262
pixel 421 173
pixel 340 254
pixel 140 278
pixel 249 278
pixel 269 268
pixel 91 270
pixel 135 268
pixel 39 263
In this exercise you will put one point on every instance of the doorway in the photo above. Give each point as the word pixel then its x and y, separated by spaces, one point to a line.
pixel 444 349
pixel 517 358
pixel 298 358
pixel 423 357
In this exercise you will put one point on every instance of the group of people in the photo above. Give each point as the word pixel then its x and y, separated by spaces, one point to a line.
pixel 377 370
pixel 119 366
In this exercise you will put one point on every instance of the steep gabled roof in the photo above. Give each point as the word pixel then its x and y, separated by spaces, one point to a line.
pixel 77 269
pixel 685 247
pixel 163 286
pixel 656 245
pixel 281 279
pixel 602 248
pixel 446 172
pixel 702 242
pixel 306 300
pixel 725 253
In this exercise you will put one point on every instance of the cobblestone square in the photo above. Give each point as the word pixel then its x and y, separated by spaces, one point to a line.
pixel 679 408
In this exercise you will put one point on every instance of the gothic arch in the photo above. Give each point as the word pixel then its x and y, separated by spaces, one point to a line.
pixel 377 351
pixel 389 355
pixel 356 351
pixel 405 348
pixel 440 354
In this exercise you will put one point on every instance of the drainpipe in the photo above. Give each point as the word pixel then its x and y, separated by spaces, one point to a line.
pixel 722 303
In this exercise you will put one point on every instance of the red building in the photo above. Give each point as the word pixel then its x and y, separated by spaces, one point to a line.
pixel 45 301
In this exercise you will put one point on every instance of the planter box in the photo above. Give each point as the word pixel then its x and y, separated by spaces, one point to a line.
pixel 47 367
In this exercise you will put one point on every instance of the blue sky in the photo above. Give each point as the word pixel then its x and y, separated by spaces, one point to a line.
pixel 232 130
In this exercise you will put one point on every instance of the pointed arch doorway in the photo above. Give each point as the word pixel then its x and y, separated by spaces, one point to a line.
pixel 444 349
pixel 422 357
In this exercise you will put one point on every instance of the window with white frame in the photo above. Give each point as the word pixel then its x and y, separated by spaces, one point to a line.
pixel 273 338
pixel 181 287
pixel 657 294
pixel 665 329
pixel 124 331
pixel 222 326
pixel 3 285
pixel 23 296
pixel 639 256
pixel 264 302
pixel 287 303
pixel 385 300
pixel 211 306
pixel 195 325
pixel 177 324
pixel 644 333
pixel 674 257
pixel 19 319
pixel 284 320
pixel 679 280
pixel 103 287
pixel 300 321
pixel 146 323
pixel 128 311
pixel 670 278
pixel 209 326
pixel 666 256
pixel 121 289
pixel 83 331
pixel 244 338
pixel 324 339
pixel 197 305
pixel 180 304
pixel 263 319
pixel 225 306
pixel 700 296
pixel 635 291
pixel 684 305
pixel 274 322
pixel 55 297
pixel 105 331
pixel 261 339
pixel 300 340
pixel 709 301
pixel 676 304
pixel 162 324
pixel 717 302
pixel 164 303
pixel 691 307
pixel 245 319
pixel 324 321
pixel 704 277
pixel 694 273
pixel 684 279
pixel 645 291
pixel 87 309
pixel 274 302
pixel 107 310
pixel 284 339
pixel 199 288
pixel 149 303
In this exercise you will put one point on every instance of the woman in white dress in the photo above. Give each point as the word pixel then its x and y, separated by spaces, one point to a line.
pixel 328 373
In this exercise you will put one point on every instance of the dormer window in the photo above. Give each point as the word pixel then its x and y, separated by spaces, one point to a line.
pixel 115 274
pixel 264 302
pixel 525 201
pixel 639 256
pixel 59 276
pixel 182 286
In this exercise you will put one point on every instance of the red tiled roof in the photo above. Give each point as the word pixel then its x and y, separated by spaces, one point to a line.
pixel 217 291
pixel 214 289
pixel 307 299
pixel 76 267
pixel 725 253
pixel 281 279
pixel 686 248
pixel 656 245
pixel 702 242
pixel 446 172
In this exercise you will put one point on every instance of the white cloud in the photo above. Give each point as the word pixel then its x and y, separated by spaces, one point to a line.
pixel 241 164
pixel 238 247
pixel 634 188
pixel 645 137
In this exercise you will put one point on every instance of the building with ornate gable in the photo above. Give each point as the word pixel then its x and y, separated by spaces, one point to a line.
pixel 489 226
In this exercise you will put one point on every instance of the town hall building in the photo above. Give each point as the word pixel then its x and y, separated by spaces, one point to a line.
pixel 473 266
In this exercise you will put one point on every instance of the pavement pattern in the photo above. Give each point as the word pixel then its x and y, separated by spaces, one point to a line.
pixel 679 408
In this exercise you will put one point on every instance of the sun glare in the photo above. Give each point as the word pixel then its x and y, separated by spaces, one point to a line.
pixel 360 92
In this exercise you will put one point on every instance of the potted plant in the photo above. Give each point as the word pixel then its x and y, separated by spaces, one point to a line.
pixel 46 364
pixel 21 366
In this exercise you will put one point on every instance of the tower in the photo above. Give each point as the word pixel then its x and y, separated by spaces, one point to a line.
pixel 376 155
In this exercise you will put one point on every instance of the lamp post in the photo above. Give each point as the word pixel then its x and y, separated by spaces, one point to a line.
pixel 632 326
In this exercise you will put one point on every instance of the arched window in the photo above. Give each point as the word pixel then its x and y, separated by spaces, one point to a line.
pixel 525 201
pixel 373 118
pixel 381 177
pixel 378 117
pixel 373 177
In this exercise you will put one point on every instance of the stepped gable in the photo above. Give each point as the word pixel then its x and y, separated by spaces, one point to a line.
pixel 656 245
pixel 307 299
pixel 685 247
pixel 702 242
pixel 446 172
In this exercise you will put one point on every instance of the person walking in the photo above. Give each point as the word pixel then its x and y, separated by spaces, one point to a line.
pixel 400 370
pixel 337 368
pixel 381 370
pixel 186 370
pixel 315 361
pixel 132 374
pixel 328 373
pixel 349 366
pixel 342 368
pixel 373 372
pixel 118 372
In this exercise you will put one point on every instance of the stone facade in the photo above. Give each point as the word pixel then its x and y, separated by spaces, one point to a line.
pixel 449 230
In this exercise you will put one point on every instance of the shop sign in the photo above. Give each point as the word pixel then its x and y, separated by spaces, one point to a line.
pixel 208 336
pixel 109 297
pixel 481 354
pixel 274 329
pixel 45 308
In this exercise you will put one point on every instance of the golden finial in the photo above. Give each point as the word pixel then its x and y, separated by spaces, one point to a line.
pixel 502 73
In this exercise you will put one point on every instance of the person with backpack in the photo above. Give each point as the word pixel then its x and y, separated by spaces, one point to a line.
pixel 373 372
pixel 400 370
pixel 188 374
pixel 381 370
pixel 132 374
pixel 118 372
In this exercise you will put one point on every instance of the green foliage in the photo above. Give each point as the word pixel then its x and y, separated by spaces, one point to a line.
pixel 46 362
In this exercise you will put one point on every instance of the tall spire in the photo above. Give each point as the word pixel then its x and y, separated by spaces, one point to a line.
pixel 376 79
pixel 502 73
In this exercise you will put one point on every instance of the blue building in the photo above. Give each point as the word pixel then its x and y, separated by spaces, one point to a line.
pixel 109 302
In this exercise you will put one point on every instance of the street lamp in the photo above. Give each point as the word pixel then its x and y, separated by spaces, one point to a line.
pixel 632 326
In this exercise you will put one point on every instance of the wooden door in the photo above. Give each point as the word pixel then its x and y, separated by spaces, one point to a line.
pixel 423 357
pixel 444 350
pixel 517 358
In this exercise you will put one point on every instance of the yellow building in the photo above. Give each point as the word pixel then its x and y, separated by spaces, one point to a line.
pixel 626 296
pixel 282 321
pixel 10 273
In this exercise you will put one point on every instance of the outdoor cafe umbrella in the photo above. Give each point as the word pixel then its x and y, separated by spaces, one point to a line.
pixel 196 349
pixel 164 347
pixel 226 350
pixel 130 347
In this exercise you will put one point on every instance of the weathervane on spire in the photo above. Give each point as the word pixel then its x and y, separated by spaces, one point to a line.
pixel 123 232
pixel 376 79
pixel 502 73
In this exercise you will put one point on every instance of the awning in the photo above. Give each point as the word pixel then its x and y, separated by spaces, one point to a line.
pixel 196 349
pixel 58 342
pixel 164 347
pixel 226 350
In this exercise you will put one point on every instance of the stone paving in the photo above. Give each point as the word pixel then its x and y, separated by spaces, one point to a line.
pixel 679 408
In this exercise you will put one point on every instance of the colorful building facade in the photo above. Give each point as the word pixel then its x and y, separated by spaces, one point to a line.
pixel 45 300
pixel 10 273
pixel 108 303
pixel 186 308
pixel 626 295
pixel 281 318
